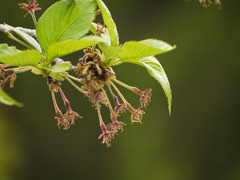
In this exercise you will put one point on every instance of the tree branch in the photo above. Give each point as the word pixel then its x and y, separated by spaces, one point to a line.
pixel 31 32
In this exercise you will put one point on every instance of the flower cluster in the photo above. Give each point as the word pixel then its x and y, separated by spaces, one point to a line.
pixel 69 117
pixel 206 3
pixel 94 75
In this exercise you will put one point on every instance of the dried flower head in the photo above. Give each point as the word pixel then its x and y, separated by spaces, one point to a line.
pixel 136 113
pixel 107 137
pixel 70 114
pixel 31 6
pixel 145 97
pixel 53 84
pixel 100 29
pixel 206 3
pixel 115 126
pixel 62 122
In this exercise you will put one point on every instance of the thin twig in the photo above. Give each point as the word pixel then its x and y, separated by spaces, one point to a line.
pixel 31 32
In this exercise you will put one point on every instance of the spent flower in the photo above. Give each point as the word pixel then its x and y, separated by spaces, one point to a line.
pixel 31 7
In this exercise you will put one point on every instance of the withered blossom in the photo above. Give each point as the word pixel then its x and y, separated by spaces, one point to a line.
pixel 31 7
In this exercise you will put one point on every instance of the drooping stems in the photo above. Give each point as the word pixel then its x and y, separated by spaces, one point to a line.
pixel 57 110
pixel 78 88
pixel 66 102
pixel 102 125
pixel 134 89
pixel 112 113
pixel 31 32
pixel 120 94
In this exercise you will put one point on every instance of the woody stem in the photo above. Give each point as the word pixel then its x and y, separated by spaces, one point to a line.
pixel 18 70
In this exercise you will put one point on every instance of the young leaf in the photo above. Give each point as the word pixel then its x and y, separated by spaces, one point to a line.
pixel 156 70
pixel 65 21
pixel 145 48
pixel 15 57
pixel 107 18
pixel 56 76
pixel 109 51
pixel 63 48
pixel 26 37
pixel 61 67
pixel 6 50
pixel 7 100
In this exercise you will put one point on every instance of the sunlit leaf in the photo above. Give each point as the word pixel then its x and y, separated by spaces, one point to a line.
pixel 145 48
pixel 15 57
pixel 61 67
pixel 108 21
pixel 7 100
pixel 109 51
pixel 26 37
pixel 156 70
pixel 63 48
pixel 65 21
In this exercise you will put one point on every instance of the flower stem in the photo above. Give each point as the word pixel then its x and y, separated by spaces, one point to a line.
pixel 102 125
pixel 78 88
pixel 120 94
pixel 74 78
pixel 133 89
pixel 64 97
pixel 57 110
pixel 34 18
pixel 93 48
pixel 107 99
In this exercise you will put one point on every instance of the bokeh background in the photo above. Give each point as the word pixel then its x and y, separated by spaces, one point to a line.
pixel 199 141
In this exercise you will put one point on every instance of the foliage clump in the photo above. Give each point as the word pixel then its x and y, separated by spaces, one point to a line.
pixel 63 29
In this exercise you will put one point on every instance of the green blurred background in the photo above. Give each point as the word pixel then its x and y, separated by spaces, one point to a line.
pixel 200 141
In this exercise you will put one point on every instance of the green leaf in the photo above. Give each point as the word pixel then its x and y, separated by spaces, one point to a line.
pixel 109 51
pixel 60 49
pixel 107 18
pixel 65 21
pixel 15 57
pixel 57 76
pixel 145 48
pixel 61 67
pixel 26 37
pixel 7 100
pixel 6 50
pixel 156 70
